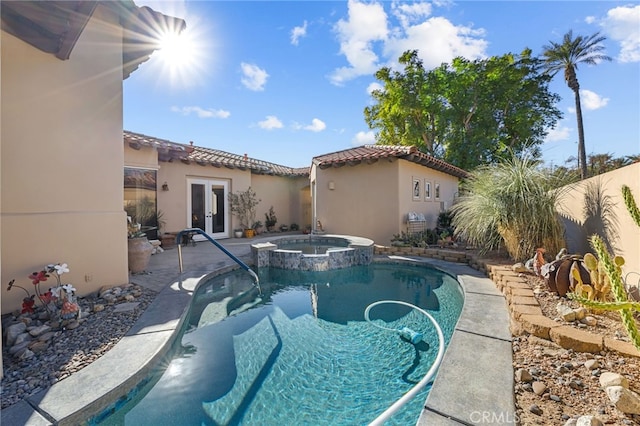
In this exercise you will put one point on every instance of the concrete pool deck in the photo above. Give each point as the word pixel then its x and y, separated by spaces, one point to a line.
pixel 473 386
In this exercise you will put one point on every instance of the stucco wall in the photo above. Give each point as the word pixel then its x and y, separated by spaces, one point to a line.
pixel 62 161
pixel 623 235
pixel 287 195
pixel 372 200
pixel 433 205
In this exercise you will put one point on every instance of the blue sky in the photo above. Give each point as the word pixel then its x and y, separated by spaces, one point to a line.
pixel 284 81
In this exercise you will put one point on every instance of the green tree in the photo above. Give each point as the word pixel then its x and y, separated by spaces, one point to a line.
pixel 467 112
pixel 565 57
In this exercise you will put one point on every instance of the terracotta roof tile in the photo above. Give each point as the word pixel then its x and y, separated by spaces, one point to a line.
pixel 169 151
pixel 371 153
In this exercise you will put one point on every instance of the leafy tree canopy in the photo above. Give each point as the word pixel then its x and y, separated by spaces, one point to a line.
pixel 467 112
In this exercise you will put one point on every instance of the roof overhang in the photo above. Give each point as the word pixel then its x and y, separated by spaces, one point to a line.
pixel 55 26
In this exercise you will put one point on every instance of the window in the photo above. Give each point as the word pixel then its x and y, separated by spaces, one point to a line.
pixel 140 198
pixel 416 189
pixel 436 190
pixel 427 190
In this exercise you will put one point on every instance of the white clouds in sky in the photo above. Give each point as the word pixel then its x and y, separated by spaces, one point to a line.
pixel 254 78
pixel 368 26
pixel 364 138
pixel 201 112
pixel 270 122
pixel 316 125
pixel 298 32
pixel 591 100
pixel 558 133
pixel 622 24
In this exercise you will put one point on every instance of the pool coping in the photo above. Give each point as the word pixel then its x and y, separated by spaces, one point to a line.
pixel 477 363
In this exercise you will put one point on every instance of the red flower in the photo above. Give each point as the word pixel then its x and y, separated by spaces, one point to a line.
pixel 47 297
pixel 27 305
pixel 37 277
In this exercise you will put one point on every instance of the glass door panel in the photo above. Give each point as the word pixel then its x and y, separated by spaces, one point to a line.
pixel 207 207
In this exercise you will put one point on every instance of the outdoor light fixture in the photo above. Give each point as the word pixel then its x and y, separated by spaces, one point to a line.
pixel 332 185
pixel 165 186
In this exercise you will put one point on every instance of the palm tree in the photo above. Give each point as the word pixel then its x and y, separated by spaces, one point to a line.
pixel 566 56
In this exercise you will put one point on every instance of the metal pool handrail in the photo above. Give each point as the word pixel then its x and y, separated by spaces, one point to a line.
pixel 217 244
pixel 426 379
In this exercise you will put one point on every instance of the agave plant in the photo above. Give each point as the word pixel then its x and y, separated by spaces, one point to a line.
pixel 511 203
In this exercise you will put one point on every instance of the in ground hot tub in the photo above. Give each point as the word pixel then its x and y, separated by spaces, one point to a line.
pixel 313 252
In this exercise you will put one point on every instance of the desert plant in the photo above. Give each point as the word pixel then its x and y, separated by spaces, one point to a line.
pixel 243 205
pixel 511 203
pixel 611 267
pixel 270 218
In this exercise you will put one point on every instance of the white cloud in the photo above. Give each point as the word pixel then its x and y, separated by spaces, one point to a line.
pixel 316 125
pixel 590 19
pixel 201 112
pixel 364 138
pixel 442 41
pixel 409 13
pixel 558 133
pixel 591 100
pixel 374 86
pixel 298 32
pixel 254 77
pixel 622 24
pixel 366 24
pixel 271 122
pixel 369 39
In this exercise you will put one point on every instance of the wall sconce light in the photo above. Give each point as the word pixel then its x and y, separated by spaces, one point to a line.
pixel 165 186
pixel 332 185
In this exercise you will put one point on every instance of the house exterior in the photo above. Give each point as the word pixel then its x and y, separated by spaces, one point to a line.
pixel 369 191
pixel 192 185
pixel 62 68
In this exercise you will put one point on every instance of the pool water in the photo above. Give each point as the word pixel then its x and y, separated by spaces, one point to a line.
pixel 300 353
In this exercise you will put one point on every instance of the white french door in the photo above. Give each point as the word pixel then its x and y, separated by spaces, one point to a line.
pixel 207 207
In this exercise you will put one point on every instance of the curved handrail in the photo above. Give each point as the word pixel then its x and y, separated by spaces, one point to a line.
pixel 217 244
pixel 427 377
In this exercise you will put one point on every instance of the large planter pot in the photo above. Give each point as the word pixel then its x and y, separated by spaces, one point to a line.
pixel 139 254
pixel 249 233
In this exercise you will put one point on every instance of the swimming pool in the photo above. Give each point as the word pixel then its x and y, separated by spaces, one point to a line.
pixel 301 353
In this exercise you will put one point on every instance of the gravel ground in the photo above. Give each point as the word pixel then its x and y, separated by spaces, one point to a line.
pixel 70 350
pixel 567 387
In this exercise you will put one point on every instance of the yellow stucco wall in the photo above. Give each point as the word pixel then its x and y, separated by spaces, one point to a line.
pixel 61 170
pixel 626 235
pixel 372 200
pixel 289 197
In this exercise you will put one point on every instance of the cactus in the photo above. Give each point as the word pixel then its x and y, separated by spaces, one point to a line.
pixel 631 204
pixel 599 287
pixel 613 272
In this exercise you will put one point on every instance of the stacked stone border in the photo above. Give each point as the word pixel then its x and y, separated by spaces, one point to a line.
pixel 524 310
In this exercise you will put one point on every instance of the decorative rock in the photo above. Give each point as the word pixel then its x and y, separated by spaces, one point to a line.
pixel 592 364
pixel 589 421
pixel 24 337
pixel 129 298
pixel 589 320
pixel 613 379
pixel 13 331
pixel 37 331
pixel 581 313
pixel 98 307
pixel 38 346
pixel 535 410
pixel 539 388
pixel 555 398
pixel 72 325
pixel 522 375
pixel 624 399
pixel 565 312
pixel 519 268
